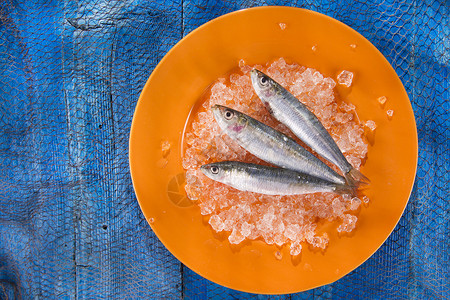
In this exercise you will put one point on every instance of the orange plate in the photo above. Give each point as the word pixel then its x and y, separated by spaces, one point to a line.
pixel 211 51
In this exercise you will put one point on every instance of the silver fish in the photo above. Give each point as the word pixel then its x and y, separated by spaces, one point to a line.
pixel 303 123
pixel 269 180
pixel 271 145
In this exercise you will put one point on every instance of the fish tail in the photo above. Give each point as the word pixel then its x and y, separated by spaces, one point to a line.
pixel 342 189
pixel 356 178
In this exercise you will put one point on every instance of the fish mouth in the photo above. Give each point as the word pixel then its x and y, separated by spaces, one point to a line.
pixel 255 76
pixel 254 73
pixel 217 112
pixel 204 169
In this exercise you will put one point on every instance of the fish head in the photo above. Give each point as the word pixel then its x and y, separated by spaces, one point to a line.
pixel 215 171
pixel 264 86
pixel 229 119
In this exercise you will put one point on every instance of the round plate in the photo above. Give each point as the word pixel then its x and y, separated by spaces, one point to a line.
pixel 256 36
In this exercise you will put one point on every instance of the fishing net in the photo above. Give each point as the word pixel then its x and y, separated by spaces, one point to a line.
pixel 70 76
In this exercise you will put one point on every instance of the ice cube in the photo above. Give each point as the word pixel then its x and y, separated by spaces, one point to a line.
pixel 292 231
pixel 348 223
pixel 354 161
pixel 246 229
pixel 365 199
pixel 206 208
pixel 267 235
pixel 338 206
pixel 371 125
pixel 279 239
pixel 216 223
pixel 295 249
pixel 348 107
pixel 345 78
pixel 354 204
pixel 317 241
pixel 317 78
pixel 246 69
pixel 236 237
pixel 165 148
pixel 329 83
pixel 278 255
pixel 234 78
pixel 382 100
pixel 389 113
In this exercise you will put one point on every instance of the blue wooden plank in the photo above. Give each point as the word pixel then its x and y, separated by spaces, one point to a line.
pixel 199 288
pixel 38 259
pixel 431 207
pixel 65 103
pixel 117 255
pixel 149 33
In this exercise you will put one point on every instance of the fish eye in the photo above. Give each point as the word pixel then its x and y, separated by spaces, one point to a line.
pixel 263 80
pixel 228 115
pixel 214 170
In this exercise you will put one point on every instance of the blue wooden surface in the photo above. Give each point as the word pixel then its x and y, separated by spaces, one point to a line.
pixel 70 76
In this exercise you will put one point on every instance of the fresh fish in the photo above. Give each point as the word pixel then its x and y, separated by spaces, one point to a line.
pixel 269 180
pixel 303 123
pixel 271 145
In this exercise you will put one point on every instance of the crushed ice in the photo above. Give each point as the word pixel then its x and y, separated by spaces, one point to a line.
pixel 280 220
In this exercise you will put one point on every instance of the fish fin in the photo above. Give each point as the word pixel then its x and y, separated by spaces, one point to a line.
pixel 343 189
pixel 355 178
